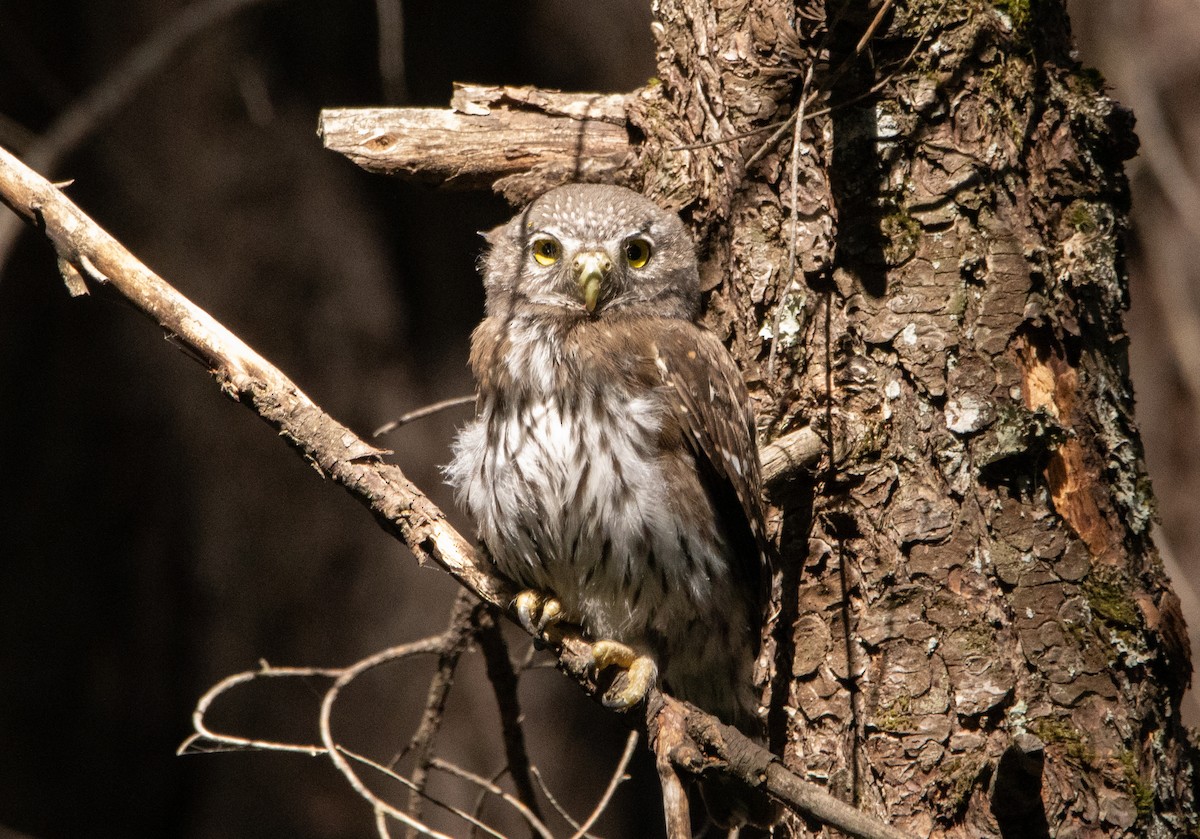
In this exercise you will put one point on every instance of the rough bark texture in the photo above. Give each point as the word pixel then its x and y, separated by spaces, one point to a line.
pixel 982 641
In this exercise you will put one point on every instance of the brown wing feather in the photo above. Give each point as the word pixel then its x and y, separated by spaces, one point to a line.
pixel 712 406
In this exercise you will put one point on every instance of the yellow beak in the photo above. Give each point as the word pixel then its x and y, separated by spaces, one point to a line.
pixel 591 270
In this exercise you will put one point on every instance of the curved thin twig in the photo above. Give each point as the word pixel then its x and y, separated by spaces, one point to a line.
pixel 483 783
pixel 336 754
pixel 617 777
pixel 408 782
pixel 233 741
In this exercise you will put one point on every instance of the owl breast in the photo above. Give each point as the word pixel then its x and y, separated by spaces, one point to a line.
pixel 573 494
pixel 569 499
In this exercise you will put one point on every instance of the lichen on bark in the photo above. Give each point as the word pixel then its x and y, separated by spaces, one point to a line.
pixel 975 636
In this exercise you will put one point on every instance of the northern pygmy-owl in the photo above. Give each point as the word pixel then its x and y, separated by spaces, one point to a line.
pixel 612 468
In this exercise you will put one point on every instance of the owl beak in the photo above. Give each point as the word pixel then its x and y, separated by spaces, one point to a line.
pixel 591 270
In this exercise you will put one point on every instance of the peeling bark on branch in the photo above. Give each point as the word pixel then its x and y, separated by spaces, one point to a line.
pixel 247 377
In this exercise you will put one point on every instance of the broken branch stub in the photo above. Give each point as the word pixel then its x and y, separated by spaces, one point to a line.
pixel 519 141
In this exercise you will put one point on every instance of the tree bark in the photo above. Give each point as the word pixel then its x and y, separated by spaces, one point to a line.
pixel 981 641
pixel 975 635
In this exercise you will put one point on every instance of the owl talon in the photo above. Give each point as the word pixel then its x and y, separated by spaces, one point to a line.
pixel 640 673
pixel 537 611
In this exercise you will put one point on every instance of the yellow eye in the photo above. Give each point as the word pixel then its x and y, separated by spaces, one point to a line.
pixel 637 252
pixel 546 250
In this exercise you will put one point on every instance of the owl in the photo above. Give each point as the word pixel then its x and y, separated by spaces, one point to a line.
pixel 611 468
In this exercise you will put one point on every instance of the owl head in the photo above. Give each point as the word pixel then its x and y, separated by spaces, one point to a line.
pixel 592 251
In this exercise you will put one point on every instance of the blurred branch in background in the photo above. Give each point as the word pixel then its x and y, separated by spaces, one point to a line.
pixel 103 100
pixel 390 17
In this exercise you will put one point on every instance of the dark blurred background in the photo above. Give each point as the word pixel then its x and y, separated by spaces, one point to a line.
pixel 155 537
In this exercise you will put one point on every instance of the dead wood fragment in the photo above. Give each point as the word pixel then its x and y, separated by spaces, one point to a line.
pixel 519 141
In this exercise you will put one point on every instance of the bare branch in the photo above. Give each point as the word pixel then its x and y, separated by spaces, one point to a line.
pixel 246 376
pixel 204 735
pixel 668 741
pixel 516 140
pixel 554 802
pixel 485 784
pixel 337 755
pixel 710 743
pixel 421 413
pixel 790 284
pixel 395 776
pixel 396 503
pixel 457 638
pixel 784 457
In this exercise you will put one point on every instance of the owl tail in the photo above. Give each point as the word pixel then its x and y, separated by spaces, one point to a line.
pixel 731 803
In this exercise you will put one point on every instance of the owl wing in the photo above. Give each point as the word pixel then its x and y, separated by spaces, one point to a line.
pixel 710 402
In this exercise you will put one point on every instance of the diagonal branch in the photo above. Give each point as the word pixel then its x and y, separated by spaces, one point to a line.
pixel 247 377
pixel 397 504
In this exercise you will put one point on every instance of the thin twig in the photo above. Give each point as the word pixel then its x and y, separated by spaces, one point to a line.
pixel 381 825
pixel 806 101
pixel 428 645
pixel 457 637
pixel 412 786
pixel 866 36
pixel 421 413
pixel 483 795
pixel 790 283
pixel 232 741
pixel 617 777
pixel 342 677
pixel 503 679
pixel 518 805
pixel 732 138
pixel 558 808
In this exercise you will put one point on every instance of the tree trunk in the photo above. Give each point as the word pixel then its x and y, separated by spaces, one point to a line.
pixel 975 635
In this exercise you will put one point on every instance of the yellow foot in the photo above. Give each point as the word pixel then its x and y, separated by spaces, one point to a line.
pixel 640 673
pixel 537 611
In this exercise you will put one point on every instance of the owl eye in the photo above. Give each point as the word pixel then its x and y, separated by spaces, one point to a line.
pixel 637 252
pixel 546 250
